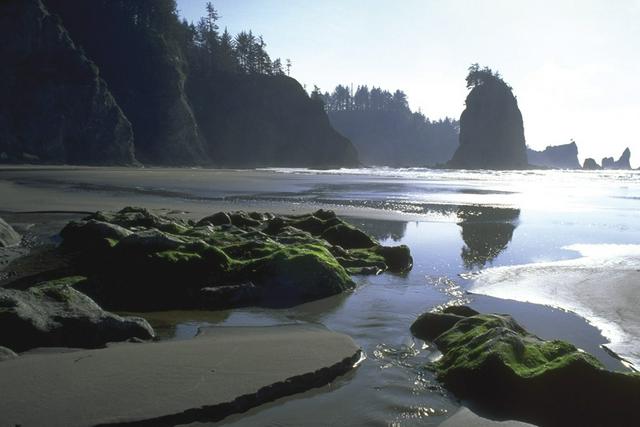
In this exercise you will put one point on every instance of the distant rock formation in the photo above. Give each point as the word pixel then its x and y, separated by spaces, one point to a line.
pixel 55 106
pixel 590 164
pixel 622 163
pixel 491 128
pixel 563 156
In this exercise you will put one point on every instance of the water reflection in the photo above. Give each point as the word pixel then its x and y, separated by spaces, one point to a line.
pixel 382 229
pixel 486 232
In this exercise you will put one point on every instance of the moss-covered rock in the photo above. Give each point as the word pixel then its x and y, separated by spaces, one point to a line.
pixel 56 314
pixel 137 259
pixel 510 373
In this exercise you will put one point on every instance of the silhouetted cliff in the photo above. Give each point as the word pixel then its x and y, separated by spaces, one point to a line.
pixel 55 106
pixel 622 163
pixel 176 93
pixel 491 129
pixel 258 120
pixel 560 157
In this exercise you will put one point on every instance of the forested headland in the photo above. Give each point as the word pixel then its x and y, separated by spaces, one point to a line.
pixel 120 81
pixel 384 129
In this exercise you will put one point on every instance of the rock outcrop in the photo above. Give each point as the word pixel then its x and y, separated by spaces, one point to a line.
pixel 57 56
pixel 590 164
pixel 491 127
pixel 145 71
pixel 55 108
pixel 258 121
pixel 137 260
pixel 490 360
pixel 6 354
pixel 8 236
pixel 55 314
pixel 622 163
pixel 557 157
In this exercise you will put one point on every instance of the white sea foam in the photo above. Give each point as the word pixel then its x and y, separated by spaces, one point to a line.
pixel 603 286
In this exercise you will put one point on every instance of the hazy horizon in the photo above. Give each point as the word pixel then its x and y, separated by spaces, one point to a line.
pixel 571 64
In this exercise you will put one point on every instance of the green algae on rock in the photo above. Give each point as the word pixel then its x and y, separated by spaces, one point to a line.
pixel 55 314
pixel 136 259
pixel 491 361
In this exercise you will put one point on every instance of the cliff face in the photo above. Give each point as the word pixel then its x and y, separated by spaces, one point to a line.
pixel 146 73
pixel 56 54
pixel 396 138
pixel 55 107
pixel 560 157
pixel 258 120
pixel 622 163
pixel 491 130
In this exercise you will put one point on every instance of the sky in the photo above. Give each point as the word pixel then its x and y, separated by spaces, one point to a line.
pixel 574 65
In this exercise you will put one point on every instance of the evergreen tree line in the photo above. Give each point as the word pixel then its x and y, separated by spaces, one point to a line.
pixel 343 98
pixel 210 50
pixel 385 130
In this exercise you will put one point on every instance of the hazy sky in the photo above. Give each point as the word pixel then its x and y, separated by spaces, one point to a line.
pixel 574 65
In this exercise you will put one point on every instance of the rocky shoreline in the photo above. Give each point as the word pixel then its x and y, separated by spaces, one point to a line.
pixel 137 260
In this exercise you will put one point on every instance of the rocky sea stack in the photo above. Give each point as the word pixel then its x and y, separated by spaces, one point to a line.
pixel 557 157
pixel 491 361
pixel 590 164
pixel 622 163
pixel 491 128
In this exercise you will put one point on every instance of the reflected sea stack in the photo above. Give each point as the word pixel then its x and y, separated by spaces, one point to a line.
pixel 486 232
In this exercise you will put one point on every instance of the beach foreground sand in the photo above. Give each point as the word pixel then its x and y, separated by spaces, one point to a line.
pixel 222 371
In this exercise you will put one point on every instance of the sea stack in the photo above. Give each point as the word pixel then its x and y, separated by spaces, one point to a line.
pixel 622 163
pixel 563 156
pixel 491 128
pixel 590 164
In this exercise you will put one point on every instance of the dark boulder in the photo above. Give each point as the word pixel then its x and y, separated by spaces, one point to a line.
pixel 54 314
pixel 6 354
pixel 397 258
pixel 429 326
pixel 460 310
pixel 491 127
pixel 55 108
pixel 347 237
pixel 8 236
pixel 218 218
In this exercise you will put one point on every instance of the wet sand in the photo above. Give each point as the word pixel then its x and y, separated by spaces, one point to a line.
pixel 222 371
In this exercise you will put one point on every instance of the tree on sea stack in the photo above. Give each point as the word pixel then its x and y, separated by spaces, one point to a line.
pixel 491 129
